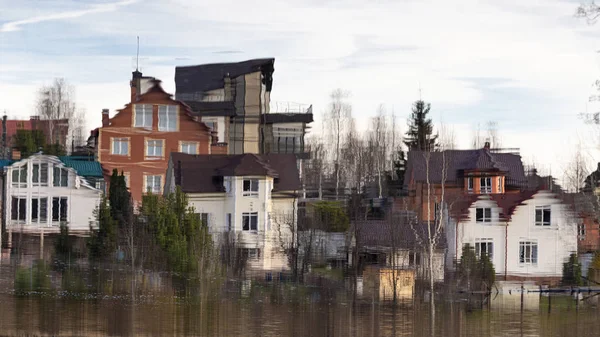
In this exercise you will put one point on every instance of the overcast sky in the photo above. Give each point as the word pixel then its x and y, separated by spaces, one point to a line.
pixel 528 65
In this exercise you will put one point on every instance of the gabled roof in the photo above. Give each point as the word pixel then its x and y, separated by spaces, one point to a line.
pixel 459 161
pixel 206 77
pixel 204 173
pixel 507 202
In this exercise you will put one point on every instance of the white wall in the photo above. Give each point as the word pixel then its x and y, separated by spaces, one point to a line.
pixel 555 242
pixel 273 214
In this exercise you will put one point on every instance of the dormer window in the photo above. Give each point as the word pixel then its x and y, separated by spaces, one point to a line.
pixel 483 214
pixel 167 118
pixel 486 185
pixel 542 216
pixel 250 188
pixel 470 183
pixel 143 116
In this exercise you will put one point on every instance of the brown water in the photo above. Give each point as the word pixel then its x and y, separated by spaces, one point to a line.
pixel 103 305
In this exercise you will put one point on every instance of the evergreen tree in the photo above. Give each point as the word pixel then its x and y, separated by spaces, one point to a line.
pixel 400 167
pixel 420 129
pixel 29 142
pixel 572 272
pixel 103 241
pixel 119 199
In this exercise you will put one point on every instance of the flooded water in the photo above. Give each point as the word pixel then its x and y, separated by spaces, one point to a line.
pixel 41 301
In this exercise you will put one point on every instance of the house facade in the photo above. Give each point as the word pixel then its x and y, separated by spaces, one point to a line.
pixel 41 192
pixel 248 201
pixel 139 138
pixel 528 236
pixel 234 100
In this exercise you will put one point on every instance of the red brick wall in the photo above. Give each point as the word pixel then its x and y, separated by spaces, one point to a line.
pixel 136 165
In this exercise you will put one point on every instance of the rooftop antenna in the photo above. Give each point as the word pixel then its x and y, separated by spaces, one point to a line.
pixel 137 55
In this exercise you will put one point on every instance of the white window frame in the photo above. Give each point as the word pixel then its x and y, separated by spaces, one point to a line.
pixel 541 210
pixel 152 150
pixel 39 219
pixel 59 182
pixel 249 216
pixel 21 175
pixel 500 185
pixel 118 145
pixel 153 177
pixel 528 252
pixel 167 118
pixel 470 184
pixel 485 188
pixel 484 245
pixel 146 113
pixel 252 189
pixel 39 174
pixel 18 208
pixel 51 206
pixel 185 147
pixel 581 231
pixel 485 218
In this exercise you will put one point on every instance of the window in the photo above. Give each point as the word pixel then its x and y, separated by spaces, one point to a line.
pixel 228 185
pixel 40 174
pixel 120 146
pixel 18 209
pixel 414 258
pixel 39 210
pixel 484 246
pixel 486 184
pixel 229 224
pixel 154 148
pixel 499 184
pixel 581 231
pixel 189 147
pixel 470 183
pixel 528 252
pixel 211 125
pixel 153 184
pixel 250 221
pixel 59 209
pixel 61 176
pixel 204 219
pixel 167 118
pixel 250 187
pixel 483 214
pixel 19 176
pixel 542 215
pixel 143 116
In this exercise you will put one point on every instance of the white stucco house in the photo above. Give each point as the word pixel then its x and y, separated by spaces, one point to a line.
pixel 41 192
pixel 247 200
pixel 528 235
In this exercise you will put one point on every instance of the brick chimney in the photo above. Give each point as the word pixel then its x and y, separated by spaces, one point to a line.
pixel 135 84
pixel 105 119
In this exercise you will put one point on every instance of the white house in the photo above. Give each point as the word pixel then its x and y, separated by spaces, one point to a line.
pixel 528 235
pixel 41 192
pixel 248 200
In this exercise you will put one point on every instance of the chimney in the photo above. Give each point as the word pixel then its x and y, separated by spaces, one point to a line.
pixel 105 119
pixel 135 83
pixel 16 154
pixel 486 146
pixel 227 88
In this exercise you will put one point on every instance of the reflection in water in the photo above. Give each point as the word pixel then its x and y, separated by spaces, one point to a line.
pixel 100 303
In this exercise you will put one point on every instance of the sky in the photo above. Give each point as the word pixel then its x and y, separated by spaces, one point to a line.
pixel 527 65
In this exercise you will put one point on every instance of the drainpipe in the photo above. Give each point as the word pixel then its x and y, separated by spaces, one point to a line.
pixel 505 250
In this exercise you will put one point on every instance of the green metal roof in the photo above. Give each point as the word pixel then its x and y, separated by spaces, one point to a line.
pixel 5 162
pixel 83 165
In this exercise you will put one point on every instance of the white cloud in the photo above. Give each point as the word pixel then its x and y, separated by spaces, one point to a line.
pixel 108 7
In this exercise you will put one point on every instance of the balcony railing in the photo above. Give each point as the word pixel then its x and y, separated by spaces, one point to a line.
pixel 290 108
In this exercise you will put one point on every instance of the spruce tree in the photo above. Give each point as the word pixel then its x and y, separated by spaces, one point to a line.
pixel 420 136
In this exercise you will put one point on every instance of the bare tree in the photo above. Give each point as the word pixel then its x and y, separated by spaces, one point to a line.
pixel 589 11
pixel 378 142
pixel 336 123
pixel 56 107
pixel 576 171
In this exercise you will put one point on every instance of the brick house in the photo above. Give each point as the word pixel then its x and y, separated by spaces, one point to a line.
pixel 140 137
